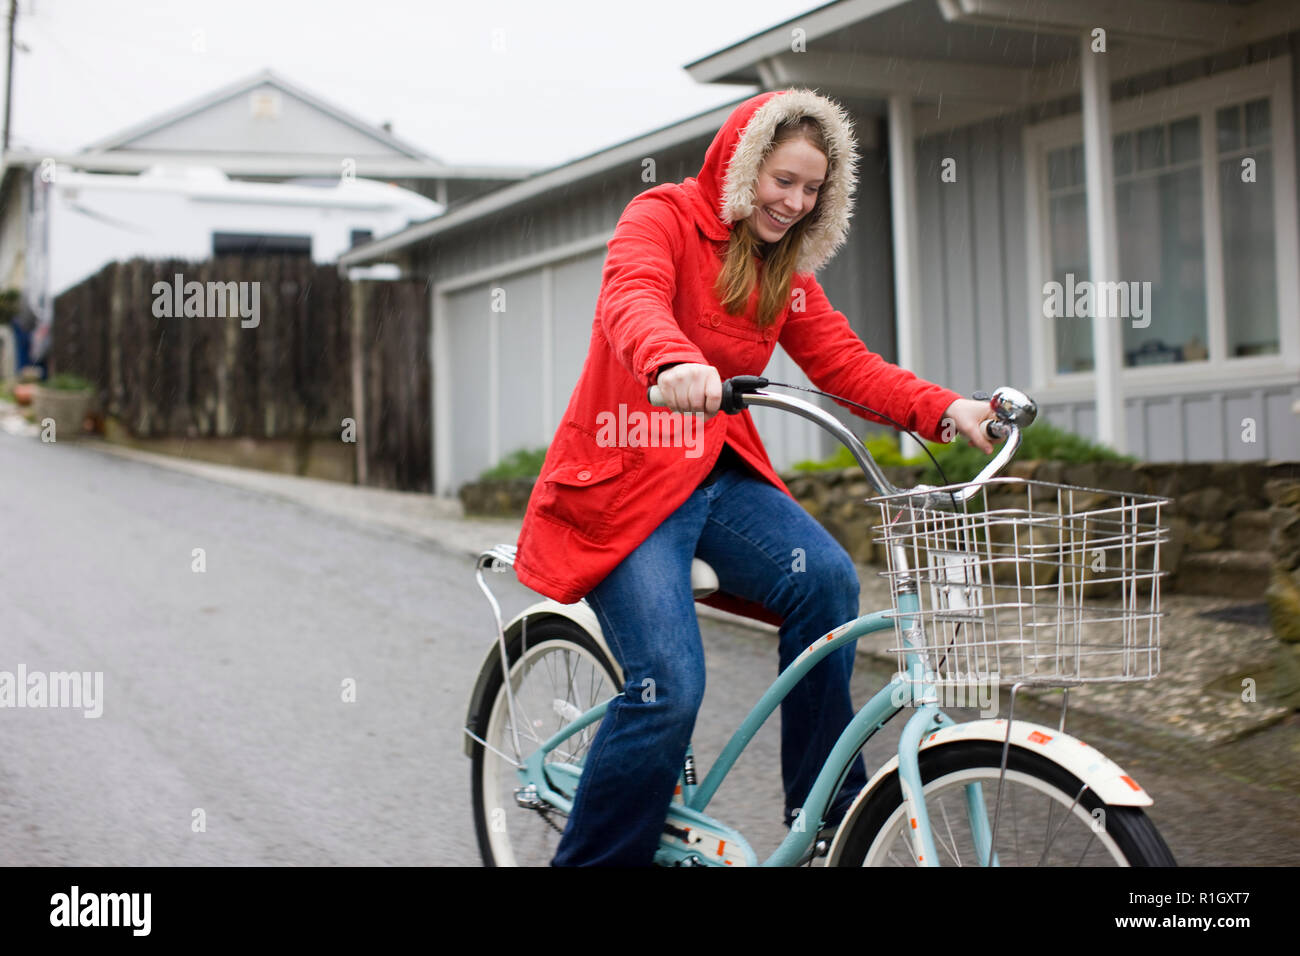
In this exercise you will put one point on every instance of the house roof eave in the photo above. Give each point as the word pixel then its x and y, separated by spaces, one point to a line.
pixel 737 63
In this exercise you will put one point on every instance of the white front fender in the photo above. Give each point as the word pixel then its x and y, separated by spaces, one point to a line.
pixel 1103 776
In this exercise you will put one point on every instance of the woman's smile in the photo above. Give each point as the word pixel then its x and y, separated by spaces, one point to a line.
pixel 781 221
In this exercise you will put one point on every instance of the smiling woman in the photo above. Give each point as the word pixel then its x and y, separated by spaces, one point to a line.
pixel 703 280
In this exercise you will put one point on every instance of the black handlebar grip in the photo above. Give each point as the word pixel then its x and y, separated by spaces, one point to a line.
pixel 734 389
pixel 732 402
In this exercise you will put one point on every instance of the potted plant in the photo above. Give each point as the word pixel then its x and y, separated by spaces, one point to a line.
pixel 66 398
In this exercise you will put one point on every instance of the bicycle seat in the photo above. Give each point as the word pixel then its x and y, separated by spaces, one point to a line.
pixel 704 580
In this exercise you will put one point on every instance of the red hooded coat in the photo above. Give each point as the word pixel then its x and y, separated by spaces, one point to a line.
pixel 595 502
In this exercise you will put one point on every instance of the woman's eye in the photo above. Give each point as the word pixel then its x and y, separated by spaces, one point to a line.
pixel 783 182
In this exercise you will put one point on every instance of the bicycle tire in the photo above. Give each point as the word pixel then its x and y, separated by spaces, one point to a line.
pixel 877 834
pixel 508 834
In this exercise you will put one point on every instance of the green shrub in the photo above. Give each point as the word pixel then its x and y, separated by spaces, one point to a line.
pixel 10 305
pixel 883 448
pixel 962 462
pixel 523 463
pixel 67 381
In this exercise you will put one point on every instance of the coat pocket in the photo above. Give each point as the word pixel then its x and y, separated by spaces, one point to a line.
pixel 736 327
pixel 585 487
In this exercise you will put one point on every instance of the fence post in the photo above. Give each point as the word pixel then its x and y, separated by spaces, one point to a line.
pixel 357 298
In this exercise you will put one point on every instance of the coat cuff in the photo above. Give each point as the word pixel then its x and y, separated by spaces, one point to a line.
pixel 931 415
pixel 650 373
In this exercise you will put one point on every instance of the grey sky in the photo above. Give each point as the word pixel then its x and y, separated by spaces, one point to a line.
pixel 574 75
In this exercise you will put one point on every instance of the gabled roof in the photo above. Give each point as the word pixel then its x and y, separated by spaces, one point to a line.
pixel 123 139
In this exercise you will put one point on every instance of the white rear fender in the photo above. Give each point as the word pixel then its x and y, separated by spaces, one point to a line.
pixel 579 614
pixel 1103 776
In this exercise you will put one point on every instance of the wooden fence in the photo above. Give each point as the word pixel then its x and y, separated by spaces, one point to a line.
pixel 392 385
pixel 308 351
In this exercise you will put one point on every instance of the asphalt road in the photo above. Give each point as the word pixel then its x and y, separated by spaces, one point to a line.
pixel 224 690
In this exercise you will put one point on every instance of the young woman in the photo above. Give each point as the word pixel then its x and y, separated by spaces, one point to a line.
pixel 702 280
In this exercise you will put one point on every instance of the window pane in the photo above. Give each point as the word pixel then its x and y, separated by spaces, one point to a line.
pixel 1076 165
pixel 1161 243
pixel 1249 270
pixel 1069 231
pixel 1228 123
pixel 1151 147
pixel 1185 138
pixel 1123 154
pixel 1258 127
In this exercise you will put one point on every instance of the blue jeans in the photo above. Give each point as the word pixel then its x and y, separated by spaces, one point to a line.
pixel 749 531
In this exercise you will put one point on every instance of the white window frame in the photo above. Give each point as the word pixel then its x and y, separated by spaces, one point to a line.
pixel 1270 79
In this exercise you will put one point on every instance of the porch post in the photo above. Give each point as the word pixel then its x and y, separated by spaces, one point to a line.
pixel 902 207
pixel 1103 244
pixel 440 394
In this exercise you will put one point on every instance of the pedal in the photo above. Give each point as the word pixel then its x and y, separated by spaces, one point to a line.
pixel 528 798
pixel 819 849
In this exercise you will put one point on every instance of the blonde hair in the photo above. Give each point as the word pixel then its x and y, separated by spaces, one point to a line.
pixel 740 272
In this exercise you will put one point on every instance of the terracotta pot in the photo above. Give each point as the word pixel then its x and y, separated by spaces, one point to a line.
pixel 23 394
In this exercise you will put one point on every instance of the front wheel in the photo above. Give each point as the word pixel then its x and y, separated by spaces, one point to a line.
pixel 557 674
pixel 1047 817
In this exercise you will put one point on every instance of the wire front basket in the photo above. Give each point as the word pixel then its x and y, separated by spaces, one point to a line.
pixel 1027 581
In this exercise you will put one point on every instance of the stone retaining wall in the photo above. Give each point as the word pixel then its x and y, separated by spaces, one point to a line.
pixel 497 498
pixel 1284 587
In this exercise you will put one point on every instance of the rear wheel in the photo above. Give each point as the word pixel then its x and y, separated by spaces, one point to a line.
pixel 557 675
pixel 1047 818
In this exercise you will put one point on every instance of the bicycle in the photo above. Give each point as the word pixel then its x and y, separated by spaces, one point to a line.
pixel 996 580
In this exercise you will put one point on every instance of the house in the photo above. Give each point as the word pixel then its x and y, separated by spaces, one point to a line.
pixel 259 165
pixel 1094 203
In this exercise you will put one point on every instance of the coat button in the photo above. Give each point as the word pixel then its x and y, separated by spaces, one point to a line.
pixel 714 319
pixel 767 335
pixel 583 475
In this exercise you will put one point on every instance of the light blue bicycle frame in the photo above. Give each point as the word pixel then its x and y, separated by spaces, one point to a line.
pixel 891 698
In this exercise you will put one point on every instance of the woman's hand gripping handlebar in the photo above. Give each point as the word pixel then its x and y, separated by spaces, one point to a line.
pixel 733 392
pixel 689 387
pixel 1012 411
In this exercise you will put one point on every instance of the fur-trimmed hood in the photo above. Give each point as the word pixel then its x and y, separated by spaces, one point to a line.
pixel 724 191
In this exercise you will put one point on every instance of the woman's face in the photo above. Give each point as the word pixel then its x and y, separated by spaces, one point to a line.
pixel 787 190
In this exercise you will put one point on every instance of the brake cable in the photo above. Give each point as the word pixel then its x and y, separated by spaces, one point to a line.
pixel 872 411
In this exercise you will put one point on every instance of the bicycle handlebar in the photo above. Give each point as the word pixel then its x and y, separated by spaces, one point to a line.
pixel 1014 411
